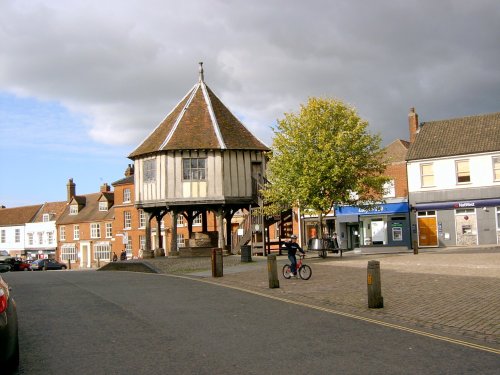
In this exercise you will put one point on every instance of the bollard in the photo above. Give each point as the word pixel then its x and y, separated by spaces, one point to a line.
pixel 246 253
pixel 69 264
pixel 415 247
pixel 375 299
pixel 217 266
pixel 272 271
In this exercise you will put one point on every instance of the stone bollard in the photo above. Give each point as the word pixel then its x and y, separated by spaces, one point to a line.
pixel 272 271
pixel 375 299
pixel 217 265
pixel 415 247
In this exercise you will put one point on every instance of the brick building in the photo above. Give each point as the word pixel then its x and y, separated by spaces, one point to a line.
pixel 85 228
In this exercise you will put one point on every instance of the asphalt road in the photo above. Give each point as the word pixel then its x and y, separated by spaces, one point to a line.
pixel 87 322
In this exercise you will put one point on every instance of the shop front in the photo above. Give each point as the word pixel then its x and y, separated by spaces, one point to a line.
pixel 383 225
pixel 458 223
pixel 310 227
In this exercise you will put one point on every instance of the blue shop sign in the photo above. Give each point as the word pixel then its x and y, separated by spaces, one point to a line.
pixel 382 209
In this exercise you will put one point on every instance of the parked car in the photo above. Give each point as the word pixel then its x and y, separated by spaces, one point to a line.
pixel 5 267
pixel 9 340
pixel 47 264
pixel 4 255
pixel 18 264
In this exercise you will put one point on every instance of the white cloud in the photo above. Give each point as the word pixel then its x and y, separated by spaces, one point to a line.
pixel 124 65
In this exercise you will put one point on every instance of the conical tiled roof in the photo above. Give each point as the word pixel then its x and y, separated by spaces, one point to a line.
pixel 199 122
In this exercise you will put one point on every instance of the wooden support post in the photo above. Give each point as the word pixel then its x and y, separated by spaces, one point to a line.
pixel 375 299
pixel 272 271
pixel 217 265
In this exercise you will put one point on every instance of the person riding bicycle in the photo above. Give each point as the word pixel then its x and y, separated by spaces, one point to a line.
pixel 292 247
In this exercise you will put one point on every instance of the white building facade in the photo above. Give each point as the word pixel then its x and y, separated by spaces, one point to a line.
pixel 454 182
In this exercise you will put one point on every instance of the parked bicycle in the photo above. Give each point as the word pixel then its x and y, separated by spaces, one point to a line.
pixel 303 270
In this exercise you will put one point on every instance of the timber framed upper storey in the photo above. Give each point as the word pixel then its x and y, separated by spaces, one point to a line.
pixel 199 154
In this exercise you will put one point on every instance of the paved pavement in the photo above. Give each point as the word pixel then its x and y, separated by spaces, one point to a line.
pixel 453 292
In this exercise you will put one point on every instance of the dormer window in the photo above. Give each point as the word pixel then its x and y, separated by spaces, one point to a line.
pixel 73 209
pixel 46 218
pixel 103 206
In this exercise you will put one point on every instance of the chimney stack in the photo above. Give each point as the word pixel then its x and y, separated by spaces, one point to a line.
pixel 105 188
pixel 71 189
pixel 413 124
pixel 129 171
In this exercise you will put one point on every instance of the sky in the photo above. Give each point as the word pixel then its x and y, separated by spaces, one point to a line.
pixel 84 82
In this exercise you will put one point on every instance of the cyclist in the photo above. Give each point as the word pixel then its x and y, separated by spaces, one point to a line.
pixel 292 247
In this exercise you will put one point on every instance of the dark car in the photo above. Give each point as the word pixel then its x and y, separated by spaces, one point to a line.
pixel 5 267
pixel 9 341
pixel 17 264
pixel 47 264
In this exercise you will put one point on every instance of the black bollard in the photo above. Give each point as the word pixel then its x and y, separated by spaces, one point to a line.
pixel 375 299
pixel 217 266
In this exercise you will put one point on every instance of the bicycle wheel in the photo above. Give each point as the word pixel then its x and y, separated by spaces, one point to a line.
pixel 305 272
pixel 287 271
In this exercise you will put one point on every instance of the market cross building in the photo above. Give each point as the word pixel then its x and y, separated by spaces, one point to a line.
pixel 199 159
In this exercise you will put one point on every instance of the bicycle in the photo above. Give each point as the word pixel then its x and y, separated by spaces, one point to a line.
pixel 303 270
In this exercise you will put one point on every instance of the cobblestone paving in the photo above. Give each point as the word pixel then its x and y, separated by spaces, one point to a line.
pixel 454 295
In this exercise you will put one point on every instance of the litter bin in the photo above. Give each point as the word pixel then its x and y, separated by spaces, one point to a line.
pixel 246 253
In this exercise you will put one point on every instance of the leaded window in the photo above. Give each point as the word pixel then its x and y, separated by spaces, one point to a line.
pixel 194 169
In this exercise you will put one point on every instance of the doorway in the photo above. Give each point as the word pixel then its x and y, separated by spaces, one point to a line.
pixel 85 258
pixel 352 236
pixel 427 228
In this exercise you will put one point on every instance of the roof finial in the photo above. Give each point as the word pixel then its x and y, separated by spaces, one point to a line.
pixel 202 79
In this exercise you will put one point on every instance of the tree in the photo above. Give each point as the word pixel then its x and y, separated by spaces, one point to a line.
pixel 323 156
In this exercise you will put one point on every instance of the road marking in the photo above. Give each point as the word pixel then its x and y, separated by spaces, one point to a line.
pixel 349 315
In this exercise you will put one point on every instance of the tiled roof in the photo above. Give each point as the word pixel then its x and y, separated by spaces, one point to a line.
pixel 18 215
pixel 396 151
pixel 200 121
pixel 55 209
pixel 124 181
pixel 460 136
pixel 89 212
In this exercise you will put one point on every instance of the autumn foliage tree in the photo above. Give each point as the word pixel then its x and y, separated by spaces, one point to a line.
pixel 323 156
